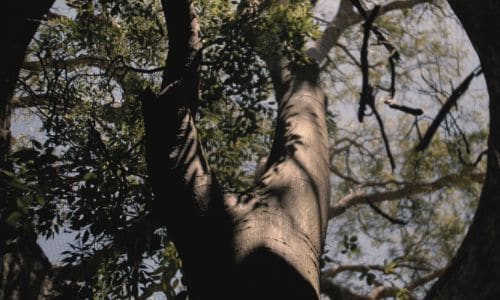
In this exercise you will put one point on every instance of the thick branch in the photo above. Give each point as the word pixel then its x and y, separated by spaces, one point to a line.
pixel 80 61
pixel 362 197
pixel 103 63
pixel 169 117
pixel 331 273
pixel 406 109
pixel 337 292
pixel 186 192
pixel 345 18
pixel 443 112
pixel 183 38
pixel 367 93
pixel 380 291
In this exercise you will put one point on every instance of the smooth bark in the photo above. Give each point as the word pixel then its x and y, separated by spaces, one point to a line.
pixel 262 244
pixel 279 227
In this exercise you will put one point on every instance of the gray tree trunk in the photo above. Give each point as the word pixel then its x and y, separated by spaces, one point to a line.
pixel 262 244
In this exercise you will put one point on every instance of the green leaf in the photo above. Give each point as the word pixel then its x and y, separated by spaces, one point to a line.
pixel 13 218
pixel 8 173
pixel 19 185
pixel 40 200
pixel 175 283
pixel 389 268
pixel 89 176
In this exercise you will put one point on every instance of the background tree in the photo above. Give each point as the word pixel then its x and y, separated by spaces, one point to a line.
pixel 465 277
pixel 25 268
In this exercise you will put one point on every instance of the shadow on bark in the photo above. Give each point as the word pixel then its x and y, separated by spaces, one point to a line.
pixel 265 275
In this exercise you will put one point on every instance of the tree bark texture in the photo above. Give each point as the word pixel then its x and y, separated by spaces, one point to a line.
pixel 261 244
pixel 24 268
pixel 474 272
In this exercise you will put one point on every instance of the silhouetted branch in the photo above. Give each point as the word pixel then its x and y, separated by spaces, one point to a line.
pixel 90 61
pixel 345 18
pixel 450 102
pixel 409 110
pixel 384 137
pixel 480 157
pixel 386 216
pixel 351 268
pixel 392 65
pixel 367 92
pixel 367 97
pixel 393 57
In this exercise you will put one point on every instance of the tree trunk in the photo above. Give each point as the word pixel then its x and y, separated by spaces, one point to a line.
pixel 474 272
pixel 24 268
pixel 280 225
pixel 261 244
pixel 20 20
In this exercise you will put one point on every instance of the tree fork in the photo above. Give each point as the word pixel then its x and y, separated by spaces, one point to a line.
pixel 267 242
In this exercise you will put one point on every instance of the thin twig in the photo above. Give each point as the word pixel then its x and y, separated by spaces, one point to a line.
pixel 384 137
pixel 386 216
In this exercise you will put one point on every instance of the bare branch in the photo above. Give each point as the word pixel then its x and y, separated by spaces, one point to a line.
pixel 362 197
pixel 335 291
pixel 384 138
pixel 409 110
pixel 380 291
pixel 346 18
pixel 367 97
pixel 90 61
pixel 425 279
pixel 331 273
pixel 386 216
pixel 450 102
pixel 367 92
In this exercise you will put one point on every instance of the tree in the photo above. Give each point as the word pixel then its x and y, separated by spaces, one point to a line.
pixel 82 76
pixel 25 268
pixel 465 278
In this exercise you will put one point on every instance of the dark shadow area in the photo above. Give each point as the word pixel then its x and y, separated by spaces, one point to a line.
pixel 264 275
